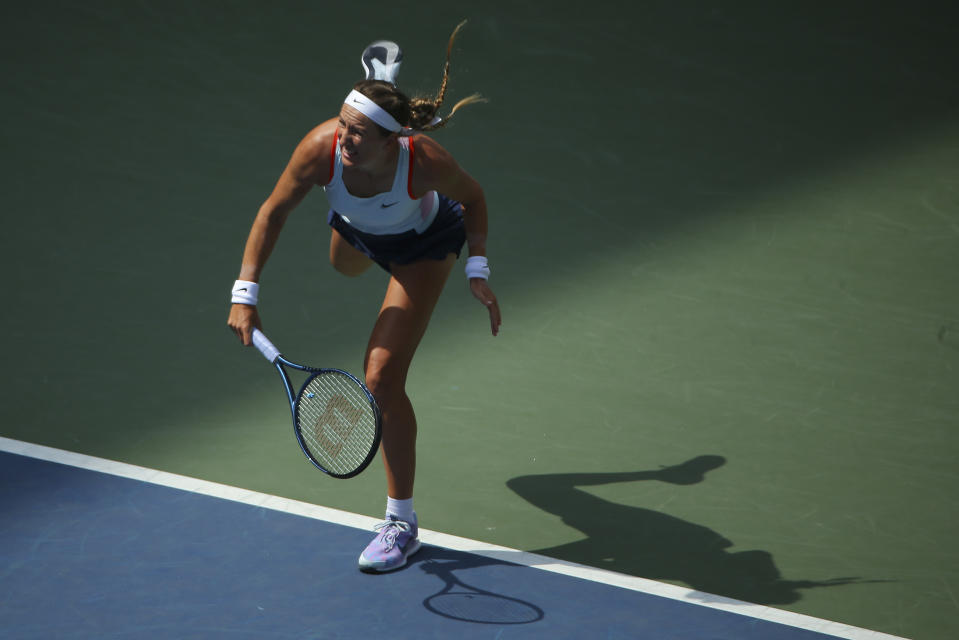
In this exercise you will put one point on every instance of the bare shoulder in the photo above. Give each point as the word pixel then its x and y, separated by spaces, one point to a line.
pixel 429 153
pixel 435 169
pixel 319 141
pixel 312 156
pixel 433 165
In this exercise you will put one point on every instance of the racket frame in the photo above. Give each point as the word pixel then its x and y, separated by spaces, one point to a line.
pixel 271 353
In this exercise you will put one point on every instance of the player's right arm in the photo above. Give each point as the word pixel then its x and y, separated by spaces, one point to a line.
pixel 310 165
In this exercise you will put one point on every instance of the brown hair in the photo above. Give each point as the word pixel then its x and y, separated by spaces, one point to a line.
pixel 417 113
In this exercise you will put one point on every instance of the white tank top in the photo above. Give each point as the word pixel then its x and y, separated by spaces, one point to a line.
pixel 390 212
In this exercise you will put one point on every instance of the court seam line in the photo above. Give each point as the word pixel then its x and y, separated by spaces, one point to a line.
pixel 435 538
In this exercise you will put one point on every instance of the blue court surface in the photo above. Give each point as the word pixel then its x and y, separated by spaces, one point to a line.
pixel 95 549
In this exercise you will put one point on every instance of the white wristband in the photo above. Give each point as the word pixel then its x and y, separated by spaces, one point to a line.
pixel 477 267
pixel 245 292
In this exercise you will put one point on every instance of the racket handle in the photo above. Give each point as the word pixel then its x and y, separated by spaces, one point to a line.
pixel 266 347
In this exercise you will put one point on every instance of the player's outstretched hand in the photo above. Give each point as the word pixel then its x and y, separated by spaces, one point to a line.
pixel 484 294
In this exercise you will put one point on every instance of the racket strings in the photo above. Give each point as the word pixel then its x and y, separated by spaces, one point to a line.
pixel 336 422
pixel 332 436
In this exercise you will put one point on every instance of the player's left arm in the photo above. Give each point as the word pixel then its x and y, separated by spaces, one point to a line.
pixel 435 169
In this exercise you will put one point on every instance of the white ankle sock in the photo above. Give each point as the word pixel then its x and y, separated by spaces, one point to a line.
pixel 401 509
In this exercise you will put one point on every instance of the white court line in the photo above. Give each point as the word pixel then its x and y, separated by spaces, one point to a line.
pixel 435 538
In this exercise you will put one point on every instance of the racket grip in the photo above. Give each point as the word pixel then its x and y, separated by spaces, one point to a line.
pixel 266 347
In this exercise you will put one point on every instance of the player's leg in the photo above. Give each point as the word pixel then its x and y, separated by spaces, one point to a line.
pixel 410 298
pixel 346 258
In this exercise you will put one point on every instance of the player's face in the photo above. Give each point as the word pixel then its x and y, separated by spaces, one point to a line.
pixel 361 141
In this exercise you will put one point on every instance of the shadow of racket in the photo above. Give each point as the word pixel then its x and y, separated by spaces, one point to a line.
pixel 460 601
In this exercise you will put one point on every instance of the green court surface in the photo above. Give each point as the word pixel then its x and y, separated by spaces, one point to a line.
pixel 725 240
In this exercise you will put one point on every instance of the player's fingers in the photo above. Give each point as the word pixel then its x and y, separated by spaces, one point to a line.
pixel 495 318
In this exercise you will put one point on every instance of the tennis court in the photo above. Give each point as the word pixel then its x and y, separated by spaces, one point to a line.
pixel 103 549
pixel 725 241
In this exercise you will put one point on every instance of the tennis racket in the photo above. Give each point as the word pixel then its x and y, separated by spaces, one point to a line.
pixel 335 418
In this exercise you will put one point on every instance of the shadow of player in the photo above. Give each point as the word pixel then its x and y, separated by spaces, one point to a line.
pixel 654 545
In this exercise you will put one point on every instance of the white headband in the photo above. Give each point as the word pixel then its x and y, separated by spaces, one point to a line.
pixel 373 111
pixel 378 114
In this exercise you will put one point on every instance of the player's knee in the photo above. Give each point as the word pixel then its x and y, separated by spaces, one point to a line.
pixel 350 265
pixel 385 378
pixel 350 269
pixel 347 259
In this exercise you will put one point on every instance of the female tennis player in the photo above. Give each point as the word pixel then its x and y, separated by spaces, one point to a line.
pixel 400 200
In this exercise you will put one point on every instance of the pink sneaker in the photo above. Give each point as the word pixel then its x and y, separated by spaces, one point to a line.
pixel 395 542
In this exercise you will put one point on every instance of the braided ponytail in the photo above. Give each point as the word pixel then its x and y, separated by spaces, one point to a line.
pixel 419 114
pixel 424 110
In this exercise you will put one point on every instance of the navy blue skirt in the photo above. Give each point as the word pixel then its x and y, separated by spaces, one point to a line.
pixel 444 236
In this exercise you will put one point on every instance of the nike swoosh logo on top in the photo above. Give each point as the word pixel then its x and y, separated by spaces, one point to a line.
pixel 384 205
